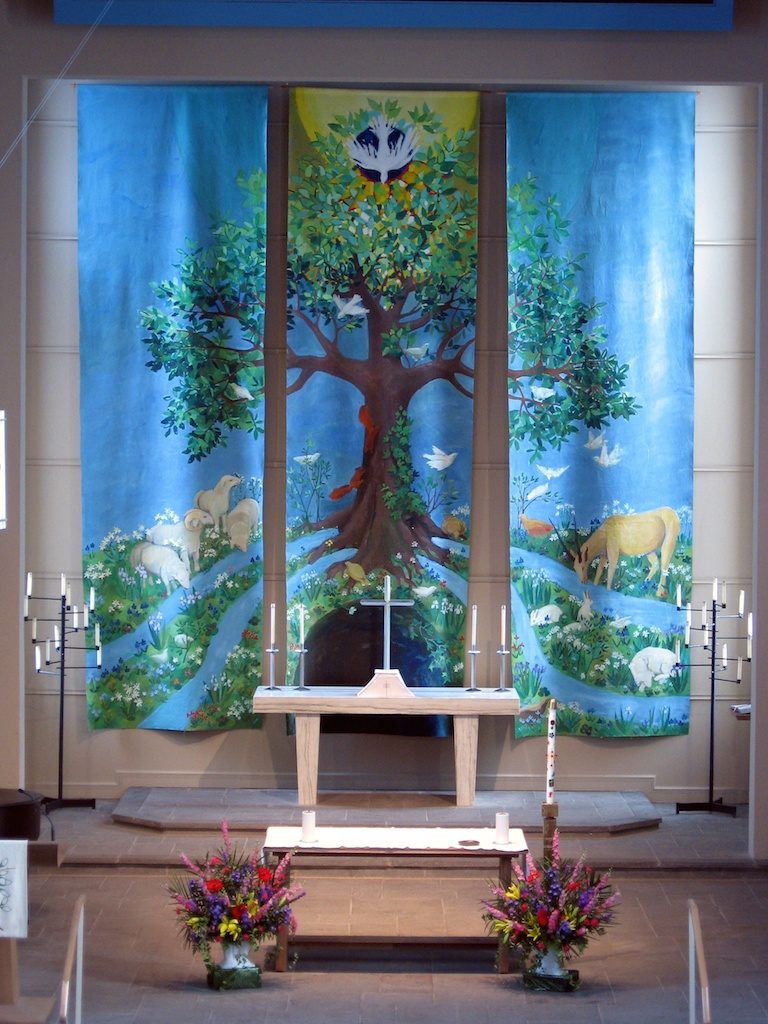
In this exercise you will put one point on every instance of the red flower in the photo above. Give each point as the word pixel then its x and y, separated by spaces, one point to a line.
pixel 214 885
pixel 265 875
pixel 542 916
pixel 594 922
pixel 215 860
pixel 237 912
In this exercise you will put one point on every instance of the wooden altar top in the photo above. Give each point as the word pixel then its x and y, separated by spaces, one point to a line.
pixel 421 700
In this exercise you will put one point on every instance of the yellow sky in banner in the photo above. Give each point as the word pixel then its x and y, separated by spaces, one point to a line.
pixel 317 107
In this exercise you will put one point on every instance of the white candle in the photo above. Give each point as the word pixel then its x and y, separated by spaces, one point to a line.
pixel 703 615
pixel 271 625
pixel 98 657
pixel 63 585
pixel 34 629
pixel 473 643
pixel 75 616
pixel 714 589
pixel 688 614
pixel 502 827
pixel 725 655
pixel 503 627
pixel 97 635
pixel 86 617
pixel 387 588
pixel 56 637
pixel 92 599
pixel 69 596
pixel 723 592
pixel 29 584
pixel 749 637
pixel 687 634
pixel 307 826
pixel 739 668
pixel 47 652
pixel 26 607
pixel 741 604
pixel 38 657
pixel 551 729
pixel 301 626
pixel 677 651
pixel 679 596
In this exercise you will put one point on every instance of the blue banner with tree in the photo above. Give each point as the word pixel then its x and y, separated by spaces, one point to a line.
pixel 172 242
pixel 600 384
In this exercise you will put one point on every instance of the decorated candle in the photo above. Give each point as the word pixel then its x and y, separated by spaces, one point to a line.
pixel 551 729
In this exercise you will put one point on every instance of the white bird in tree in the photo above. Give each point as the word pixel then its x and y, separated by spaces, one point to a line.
pixel 551 474
pixel 594 440
pixel 416 352
pixel 382 149
pixel 306 460
pixel 537 492
pixel 439 459
pixel 606 458
pixel 241 393
pixel 350 307
pixel 541 394
pixel 423 591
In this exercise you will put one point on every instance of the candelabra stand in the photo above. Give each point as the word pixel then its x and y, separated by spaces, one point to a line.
pixel 302 654
pixel 717 664
pixel 473 653
pixel 66 624
pixel 272 651
pixel 503 653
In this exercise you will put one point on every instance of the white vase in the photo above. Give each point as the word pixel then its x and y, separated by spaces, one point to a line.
pixel 550 962
pixel 236 957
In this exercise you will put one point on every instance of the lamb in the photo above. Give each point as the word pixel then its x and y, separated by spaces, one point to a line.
pixel 242 522
pixel 184 536
pixel 162 562
pixel 652 665
pixel 545 615
pixel 216 500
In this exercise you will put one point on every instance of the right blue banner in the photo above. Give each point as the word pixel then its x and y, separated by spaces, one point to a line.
pixel 600 218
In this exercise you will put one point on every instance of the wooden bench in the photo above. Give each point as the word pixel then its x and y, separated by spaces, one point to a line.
pixel 384 841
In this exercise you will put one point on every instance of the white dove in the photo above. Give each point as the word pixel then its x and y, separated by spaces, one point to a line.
pixel 540 394
pixel 423 591
pixel 594 440
pixel 537 492
pixel 383 148
pixel 439 459
pixel 606 458
pixel 241 392
pixel 416 352
pixel 551 474
pixel 350 307
pixel 306 460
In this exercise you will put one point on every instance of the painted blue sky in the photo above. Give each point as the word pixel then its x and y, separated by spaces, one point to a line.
pixel 156 165
pixel 621 167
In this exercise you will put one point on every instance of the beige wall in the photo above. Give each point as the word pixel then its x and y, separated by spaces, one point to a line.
pixel 729 190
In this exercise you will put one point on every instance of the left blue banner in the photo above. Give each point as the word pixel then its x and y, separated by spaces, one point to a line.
pixel 172 249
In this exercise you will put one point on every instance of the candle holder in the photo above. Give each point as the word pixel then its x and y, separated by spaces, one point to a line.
pixel 717 664
pixel 503 653
pixel 66 624
pixel 272 651
pixel 473 653
pixel 301 653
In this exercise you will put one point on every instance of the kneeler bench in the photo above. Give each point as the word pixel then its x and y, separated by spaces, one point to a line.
pixel 384 841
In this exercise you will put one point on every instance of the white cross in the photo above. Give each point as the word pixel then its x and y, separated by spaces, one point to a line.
pixel 387 604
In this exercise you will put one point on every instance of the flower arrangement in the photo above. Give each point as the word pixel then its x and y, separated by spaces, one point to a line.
pixel 233 899
pixel 558 903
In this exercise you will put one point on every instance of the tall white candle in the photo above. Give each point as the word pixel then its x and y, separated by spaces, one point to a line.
pixel 723 593
pixel 714 589
pixel 272 625
pixel 92 599
pixel 86 617
pixel 703 615
pixel 48 652
pixel 679 596
pixel 29 584
pixel 741 603
pixel 98 657
pixel 749 636
pixel 739 668
pixel 38 658
pixel 551 729
pixel 63 585
pixel 725 655
pixel 34 629
pixel 97 635
pixel 75 616
pixel 69 596
pixel 688 614
pixel 503 627
pixel 301 626
pixel 687 634
pixel 473 642
pixel 56 640
pixel 677 651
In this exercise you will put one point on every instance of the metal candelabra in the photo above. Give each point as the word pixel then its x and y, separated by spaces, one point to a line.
pixel 67 621
pixel 718 664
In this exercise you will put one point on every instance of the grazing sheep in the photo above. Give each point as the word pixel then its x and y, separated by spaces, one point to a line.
pixel 184 536
pixel 216 500
pixel 162 562
pixel 652 665
pixel 242 522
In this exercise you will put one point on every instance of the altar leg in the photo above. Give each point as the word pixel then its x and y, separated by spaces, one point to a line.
pixel 465 758
pixel 307 756
pixel 9 972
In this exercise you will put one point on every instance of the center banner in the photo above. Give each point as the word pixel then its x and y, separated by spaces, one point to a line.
pixel 382 257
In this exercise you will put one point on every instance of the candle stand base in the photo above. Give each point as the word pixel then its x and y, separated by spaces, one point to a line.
pixel 549 813
pixel 713 806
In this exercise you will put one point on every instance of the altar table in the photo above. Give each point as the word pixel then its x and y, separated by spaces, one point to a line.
pixel 463 705
pixel 391 841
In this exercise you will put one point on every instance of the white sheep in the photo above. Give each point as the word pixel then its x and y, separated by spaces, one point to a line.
pixel 546 615
pixel 216 500
pixel 162 562
pixel 242 521
pixel 652 665
pixel 184 536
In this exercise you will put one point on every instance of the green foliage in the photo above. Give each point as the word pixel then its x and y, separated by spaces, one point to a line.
pixel 402 500
pixel 555 341
pixel 306 479
pixel 208 334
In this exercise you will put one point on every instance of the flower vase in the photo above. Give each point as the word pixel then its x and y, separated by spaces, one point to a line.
pixel 549 973
pixel 236 969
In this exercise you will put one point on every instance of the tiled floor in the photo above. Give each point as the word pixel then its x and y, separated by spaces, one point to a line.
pixel 137 971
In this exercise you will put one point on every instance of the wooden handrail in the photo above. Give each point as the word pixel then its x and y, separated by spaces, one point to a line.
pixel 73 964
pixel 697 962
